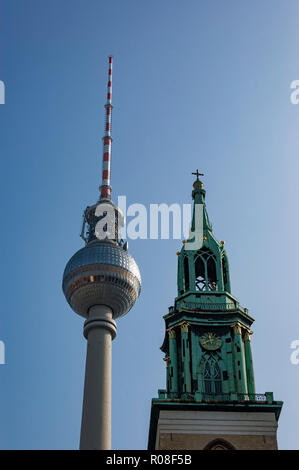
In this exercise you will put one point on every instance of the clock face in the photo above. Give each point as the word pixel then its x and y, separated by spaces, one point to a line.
pixel 210 341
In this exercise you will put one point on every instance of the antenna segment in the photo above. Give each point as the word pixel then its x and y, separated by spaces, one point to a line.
pixel 105 188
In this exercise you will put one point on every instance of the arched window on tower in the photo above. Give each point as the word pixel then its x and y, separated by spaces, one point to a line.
pixel 212 277
pixel 219 444
pixel 205 270
pixel 212 377
pixel 208 378
pixel 200 278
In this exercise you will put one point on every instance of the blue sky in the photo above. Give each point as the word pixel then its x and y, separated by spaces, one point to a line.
pixel 195 85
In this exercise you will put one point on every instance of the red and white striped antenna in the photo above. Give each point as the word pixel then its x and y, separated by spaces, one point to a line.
pixel 105 188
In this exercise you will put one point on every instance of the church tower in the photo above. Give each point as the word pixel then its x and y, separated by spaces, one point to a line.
pixel 210 401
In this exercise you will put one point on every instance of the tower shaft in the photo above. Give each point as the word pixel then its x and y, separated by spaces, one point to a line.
pixel 99 330
pixel 101 282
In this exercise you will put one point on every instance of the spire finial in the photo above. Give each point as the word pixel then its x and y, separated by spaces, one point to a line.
pixel 197 174
pixel 105 188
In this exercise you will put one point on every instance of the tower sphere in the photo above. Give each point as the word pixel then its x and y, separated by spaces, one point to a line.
pixel 101 273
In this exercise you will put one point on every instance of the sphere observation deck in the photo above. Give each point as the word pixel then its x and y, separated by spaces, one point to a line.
pixel 101 273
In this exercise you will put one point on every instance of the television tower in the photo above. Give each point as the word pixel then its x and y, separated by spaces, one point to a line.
pixel 101 282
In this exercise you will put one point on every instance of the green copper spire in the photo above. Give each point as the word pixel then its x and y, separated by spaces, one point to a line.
pixel 207 342
pixel 207 346
pixel 198 195
pixel 204 270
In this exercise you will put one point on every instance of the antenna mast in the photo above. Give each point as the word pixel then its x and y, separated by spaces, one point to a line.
pixel 105 188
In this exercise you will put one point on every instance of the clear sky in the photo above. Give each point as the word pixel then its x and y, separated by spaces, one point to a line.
pixel 196 84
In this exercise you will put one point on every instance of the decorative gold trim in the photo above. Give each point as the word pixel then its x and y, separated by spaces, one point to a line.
pixel 167 360
pixel 171 332
pixel 237 327
pixel 247 335
pixel 240 329
pixel 184 326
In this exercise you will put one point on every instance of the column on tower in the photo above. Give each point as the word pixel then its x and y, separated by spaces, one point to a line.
pixel 249 362
pixel 173 363
pixel 196 355
pixel 180 274
pixel 240 365
pixel 220 284
pixel 229 345
pixel 185 354
pixel 190 256
pixel 168 378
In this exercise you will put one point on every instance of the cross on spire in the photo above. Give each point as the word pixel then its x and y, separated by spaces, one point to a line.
pixel 197 174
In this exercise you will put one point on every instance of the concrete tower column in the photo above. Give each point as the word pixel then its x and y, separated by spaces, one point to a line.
pixel 99 330
pixel 101 282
